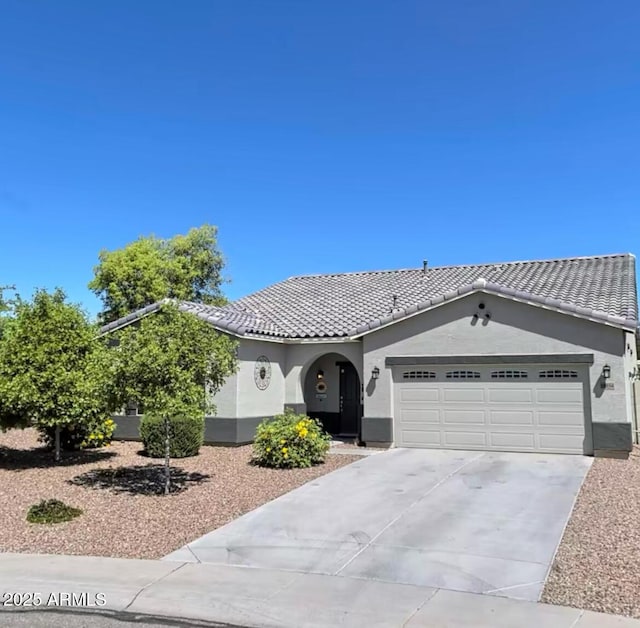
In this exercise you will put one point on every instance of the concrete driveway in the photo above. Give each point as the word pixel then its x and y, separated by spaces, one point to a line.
pixel 467 521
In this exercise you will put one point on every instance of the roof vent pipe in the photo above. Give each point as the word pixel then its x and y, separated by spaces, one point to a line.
pixel 395 301
pixel 424 266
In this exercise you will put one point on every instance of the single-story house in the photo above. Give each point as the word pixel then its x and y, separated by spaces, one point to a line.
pixel 535 356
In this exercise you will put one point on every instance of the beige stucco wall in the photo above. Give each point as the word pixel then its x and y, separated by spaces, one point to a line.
pixel 226 399
pixel 239 397
pixel 300 357
pixel 251 400
pixel 514 328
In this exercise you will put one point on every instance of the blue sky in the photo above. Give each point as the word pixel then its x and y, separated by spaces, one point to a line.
pixel 318 136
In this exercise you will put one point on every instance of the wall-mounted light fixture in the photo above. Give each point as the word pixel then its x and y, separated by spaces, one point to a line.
pixel 320 375
pixel 606 371
pixel 375 373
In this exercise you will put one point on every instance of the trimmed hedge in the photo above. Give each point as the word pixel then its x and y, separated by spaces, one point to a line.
pixel 186 435
pixel 290 440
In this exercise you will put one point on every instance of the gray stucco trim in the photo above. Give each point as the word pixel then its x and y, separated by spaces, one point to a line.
pixel 298 408
pixel 127 427
pixel 217 430
pixel 234 431
pixel 612 436
pixel 534 358
pixel 376 430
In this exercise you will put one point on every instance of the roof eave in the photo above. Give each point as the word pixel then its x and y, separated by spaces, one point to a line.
pixel 481 285
pixel 231 328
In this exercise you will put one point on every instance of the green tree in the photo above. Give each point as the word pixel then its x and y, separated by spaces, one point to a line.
pixel 186 267
pixel 54 372
pixel 6 306
pixel 171 362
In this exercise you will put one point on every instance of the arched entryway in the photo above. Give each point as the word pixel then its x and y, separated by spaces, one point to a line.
pixel 333 394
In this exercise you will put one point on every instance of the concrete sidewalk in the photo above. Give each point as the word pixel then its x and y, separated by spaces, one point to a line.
pixel 252 597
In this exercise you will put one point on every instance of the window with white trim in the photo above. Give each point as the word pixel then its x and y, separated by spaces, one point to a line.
pixel 509 374
pixel 462 375
pixel 418 375
pixel 558 374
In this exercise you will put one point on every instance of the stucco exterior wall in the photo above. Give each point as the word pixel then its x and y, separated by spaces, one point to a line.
pixel 239 396
pixel 300 357
pixel 631 363
pixel 331 402
pixel 514 328
pixel 226 399
pixel 251 401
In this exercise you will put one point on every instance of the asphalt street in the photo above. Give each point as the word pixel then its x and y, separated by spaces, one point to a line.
pixel 76 619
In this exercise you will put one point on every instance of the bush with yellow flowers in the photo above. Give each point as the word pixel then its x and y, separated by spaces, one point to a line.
pixel 290 441
pixel 100 434
pixel 89 435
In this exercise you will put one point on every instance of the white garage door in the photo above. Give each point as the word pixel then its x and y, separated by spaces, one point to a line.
pixel 528 407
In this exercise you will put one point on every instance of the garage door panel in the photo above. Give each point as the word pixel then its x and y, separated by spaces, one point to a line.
pixel 492 412
pixel 507 394
pixel 420 394
pixel 573 443
pixel 422 437
pixel 511 417
pixel 560 419
pixel 410 415
pixel 559 395
pixel 457 416
pixel 463 393
pixel 464 439
pixel 513 440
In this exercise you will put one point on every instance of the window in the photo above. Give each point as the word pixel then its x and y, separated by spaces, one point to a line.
pixel 418 375
pixel 558 374
pixel 462 375
pixel 134 409
pixel 509 374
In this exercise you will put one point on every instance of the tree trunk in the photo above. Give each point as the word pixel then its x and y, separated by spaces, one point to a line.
pixel 167 451
pixel 57 444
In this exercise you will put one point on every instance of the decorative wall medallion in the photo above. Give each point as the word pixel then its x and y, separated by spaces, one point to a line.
pixel 262 372
pixel 321 387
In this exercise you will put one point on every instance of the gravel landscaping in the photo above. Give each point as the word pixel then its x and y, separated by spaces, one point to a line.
pixel 597 566
pixel 117 487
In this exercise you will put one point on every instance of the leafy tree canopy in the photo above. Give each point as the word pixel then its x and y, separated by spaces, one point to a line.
pixel 170 362
pixel 6 306
pixel 4 303
pixel 53 371
pixel 186 267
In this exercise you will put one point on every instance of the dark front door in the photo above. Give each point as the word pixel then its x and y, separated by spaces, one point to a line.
pixel 349 399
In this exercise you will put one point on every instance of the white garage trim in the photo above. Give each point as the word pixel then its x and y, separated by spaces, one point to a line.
pixel 520 407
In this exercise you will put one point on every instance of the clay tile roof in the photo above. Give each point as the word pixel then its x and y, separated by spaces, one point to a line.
pixel 602 288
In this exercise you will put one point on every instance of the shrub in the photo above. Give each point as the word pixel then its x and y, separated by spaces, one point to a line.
pixel 85 436
pixel 52 511
pixel 290 440
pixel 186 435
